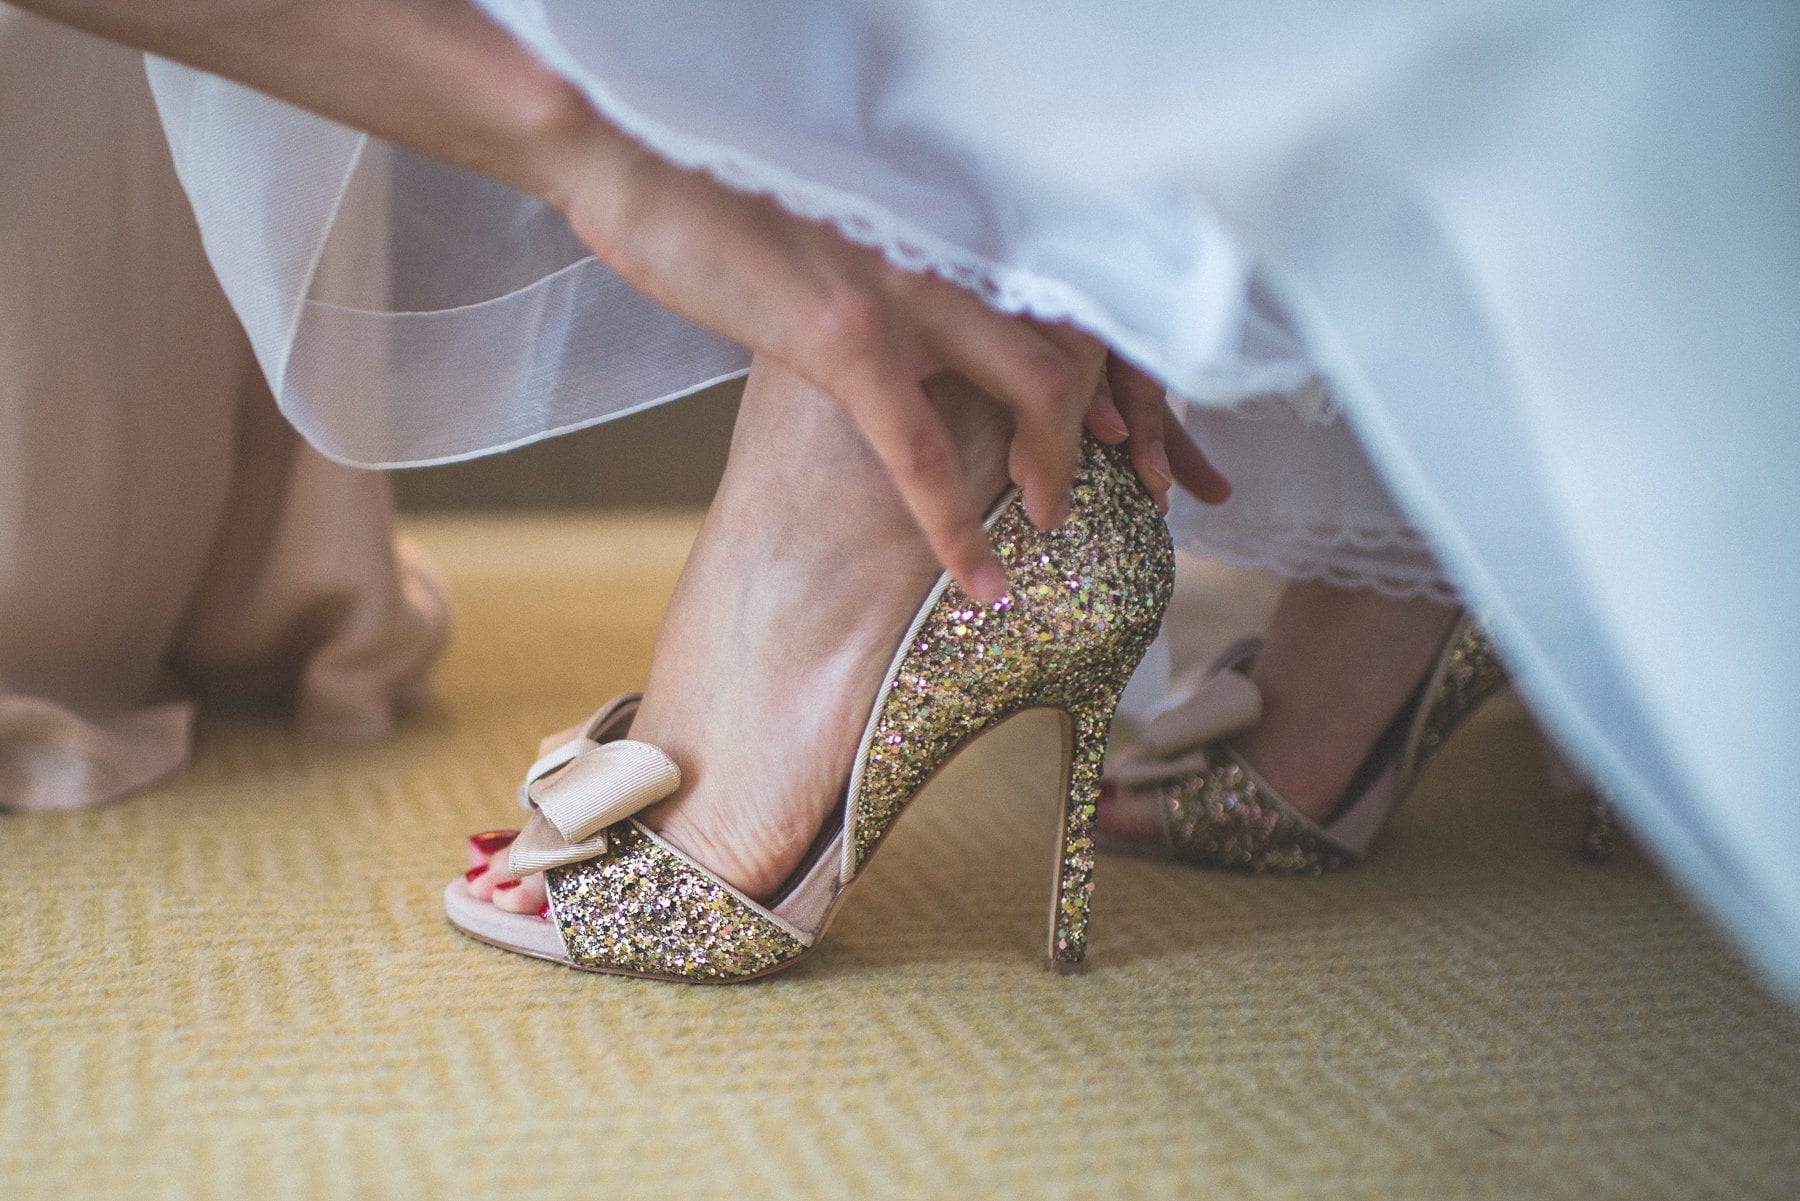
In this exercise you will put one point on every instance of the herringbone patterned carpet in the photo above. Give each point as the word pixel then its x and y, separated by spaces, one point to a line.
pixel 241 986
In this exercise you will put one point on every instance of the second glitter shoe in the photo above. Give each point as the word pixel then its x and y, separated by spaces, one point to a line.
pixel 1084 604
pixel 1214 809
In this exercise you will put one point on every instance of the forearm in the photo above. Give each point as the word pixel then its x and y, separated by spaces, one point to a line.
pixel 433 75
pixel 436 76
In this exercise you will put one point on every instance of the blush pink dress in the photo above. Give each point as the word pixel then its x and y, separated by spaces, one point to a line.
pixel 165 537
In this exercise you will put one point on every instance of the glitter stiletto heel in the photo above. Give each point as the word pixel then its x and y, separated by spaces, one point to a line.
pixel 1214 809
pixel 1084 604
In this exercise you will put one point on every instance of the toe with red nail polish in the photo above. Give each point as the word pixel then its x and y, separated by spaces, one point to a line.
pixel 490 841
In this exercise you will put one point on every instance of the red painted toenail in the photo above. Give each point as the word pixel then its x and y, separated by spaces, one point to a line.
pixel 470 876
pixel 504 885
pixel 489 841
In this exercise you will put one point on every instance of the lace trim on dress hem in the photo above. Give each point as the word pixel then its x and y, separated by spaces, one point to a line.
pixel 1322 537
pixel 1010 289
pixel 1393 582
pixel 1393 561
pixel 906 247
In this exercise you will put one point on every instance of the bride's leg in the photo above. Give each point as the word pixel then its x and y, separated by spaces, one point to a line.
pixel 1336 666
pixel 804 575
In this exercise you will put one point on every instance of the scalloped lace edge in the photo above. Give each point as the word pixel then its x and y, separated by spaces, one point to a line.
pixel 1012 290
pixel 1341 556
pixel 1398 584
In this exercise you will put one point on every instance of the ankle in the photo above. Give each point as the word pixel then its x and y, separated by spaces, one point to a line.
pixel 1337 667
pixel 1308 765
pixel 803 577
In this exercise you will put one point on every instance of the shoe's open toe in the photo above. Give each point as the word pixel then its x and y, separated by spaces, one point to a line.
pixel 525 933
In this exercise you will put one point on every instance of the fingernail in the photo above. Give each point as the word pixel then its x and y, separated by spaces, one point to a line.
pixel 1159 463
pixel 489 841
pixel 1162 502
pixel 474 874
pixel 506 885
pixel 988 583
pixel 544 910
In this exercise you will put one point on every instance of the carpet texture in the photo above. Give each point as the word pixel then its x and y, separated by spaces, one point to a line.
pixel 240 985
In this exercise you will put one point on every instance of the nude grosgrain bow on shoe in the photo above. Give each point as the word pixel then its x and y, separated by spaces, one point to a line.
pixel 1209 706
pixel 584 782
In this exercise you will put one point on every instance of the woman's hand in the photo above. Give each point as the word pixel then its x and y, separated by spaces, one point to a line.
pixel 853 325
pixel 870 334
pixel 439 77
pixel 1130 407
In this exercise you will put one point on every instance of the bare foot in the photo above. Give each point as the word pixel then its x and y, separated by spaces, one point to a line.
pixel 803 579
pixel 805 574
pixel 489 880
pixel 1336 667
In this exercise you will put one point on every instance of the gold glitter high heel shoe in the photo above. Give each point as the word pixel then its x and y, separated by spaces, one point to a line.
pixel 1214 809
pixel 1084 604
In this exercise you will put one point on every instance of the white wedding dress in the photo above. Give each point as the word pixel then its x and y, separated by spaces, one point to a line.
pixel 1540 260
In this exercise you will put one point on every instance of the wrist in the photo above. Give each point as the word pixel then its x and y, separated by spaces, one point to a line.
pixel 589 170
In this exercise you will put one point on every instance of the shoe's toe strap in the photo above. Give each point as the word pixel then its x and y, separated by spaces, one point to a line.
pixel 579 789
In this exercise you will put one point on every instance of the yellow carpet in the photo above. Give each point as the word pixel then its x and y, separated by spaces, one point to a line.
pixel 245 989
